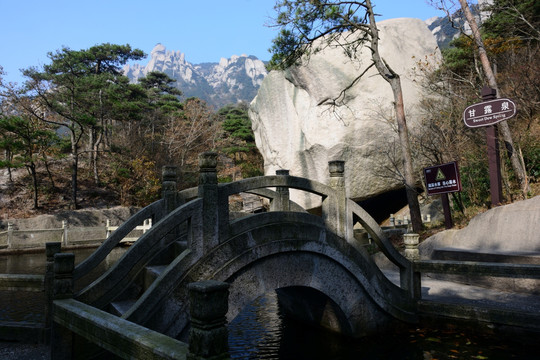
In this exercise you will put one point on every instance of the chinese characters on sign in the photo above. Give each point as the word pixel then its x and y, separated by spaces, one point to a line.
pixel 442 179
pixel 489 112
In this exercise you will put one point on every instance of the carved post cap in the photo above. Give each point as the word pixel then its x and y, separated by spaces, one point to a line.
pixel 168 172
pixel 336 168
pixel 282 172
pixel 52 248
pixel 208 300
pixel 62 288
pixel 208 336
pixel 208 161
pixel 411 242
pixel 64 263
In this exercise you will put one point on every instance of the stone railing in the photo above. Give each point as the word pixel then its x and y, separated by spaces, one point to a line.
pixel 21 282
pixel 68 235
pixel 525 271
pixel 150 244
pixel 150 214
pixel 152 211
pixel 125 339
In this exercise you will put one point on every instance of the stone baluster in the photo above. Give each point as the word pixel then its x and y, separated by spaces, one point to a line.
pixel 281 202
pixel 208 337
pixel 411 280
pixel 65 232
pixel 9 235
pixel 215 210
pixel 335 210
pixel 61 338
pixel 168 188
pixel 411 246
pixel 107 228
pixel 51 248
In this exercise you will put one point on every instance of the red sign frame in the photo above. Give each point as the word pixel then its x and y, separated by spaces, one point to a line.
pixel 489 112
pixel 442 179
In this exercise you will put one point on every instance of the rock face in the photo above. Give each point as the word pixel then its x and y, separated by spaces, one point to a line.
pixel 227 82
pixel 510 228
pixel 297 128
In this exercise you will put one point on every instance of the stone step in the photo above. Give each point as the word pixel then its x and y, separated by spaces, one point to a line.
pixel 167 255
pixel 179 247
pixel 496 256
pixel 151 274
pixel 118 308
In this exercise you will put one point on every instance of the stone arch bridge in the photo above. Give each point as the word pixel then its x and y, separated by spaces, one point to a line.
pixel 313 262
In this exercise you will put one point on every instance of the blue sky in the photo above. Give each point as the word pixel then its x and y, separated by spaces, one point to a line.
pixel 205 30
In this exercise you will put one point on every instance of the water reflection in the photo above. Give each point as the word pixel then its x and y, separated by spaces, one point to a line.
pixel 257 331
pixel 261 331
pixel 35 263
pixel 28 306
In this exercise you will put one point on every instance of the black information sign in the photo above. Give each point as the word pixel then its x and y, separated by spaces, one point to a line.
pixel 441 179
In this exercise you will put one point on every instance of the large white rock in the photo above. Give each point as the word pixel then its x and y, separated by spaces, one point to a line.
pixel 510 228
pixel 296 129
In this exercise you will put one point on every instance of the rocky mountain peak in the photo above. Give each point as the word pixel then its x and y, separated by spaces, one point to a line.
pixel 228 81
pixel 445 29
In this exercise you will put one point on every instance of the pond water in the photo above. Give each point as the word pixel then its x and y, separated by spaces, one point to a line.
pixel 27 306
pixel 261 331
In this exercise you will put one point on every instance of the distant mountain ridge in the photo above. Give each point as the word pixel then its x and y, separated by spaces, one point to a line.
pixel 446 29
pixel 228 82
pixel 238 79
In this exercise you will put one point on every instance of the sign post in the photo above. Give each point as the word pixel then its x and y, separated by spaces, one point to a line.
pixel 443 179
pixel 488 113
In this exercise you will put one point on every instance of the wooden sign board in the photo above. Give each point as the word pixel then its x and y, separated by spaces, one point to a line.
pixel 441 179
pixel 489 112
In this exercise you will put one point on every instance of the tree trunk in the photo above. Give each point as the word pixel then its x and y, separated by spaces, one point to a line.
pixel 393 79
pixel 74 171
pixel 95 157
pixel 51 179
pixel 492 82
pixel 403 132
pixel 32 168
pixel 9 157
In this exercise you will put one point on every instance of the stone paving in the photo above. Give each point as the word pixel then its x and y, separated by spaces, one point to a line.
pixel 447 291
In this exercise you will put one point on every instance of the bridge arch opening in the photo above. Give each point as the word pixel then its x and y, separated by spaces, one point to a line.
pixel 313 307
pixel 287 321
